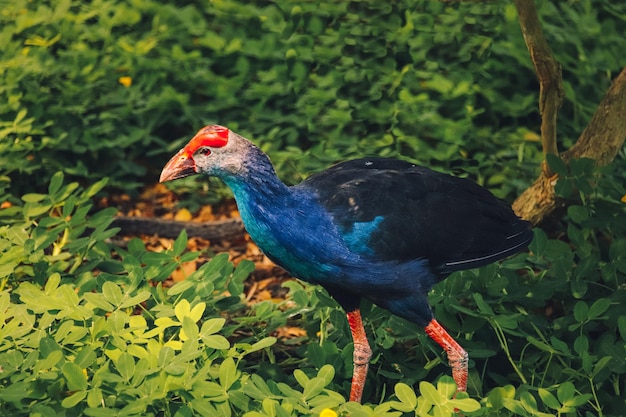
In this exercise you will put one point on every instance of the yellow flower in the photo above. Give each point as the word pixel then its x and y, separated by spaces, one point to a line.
pixel 623 200
pixel 327 412
pixel 125 81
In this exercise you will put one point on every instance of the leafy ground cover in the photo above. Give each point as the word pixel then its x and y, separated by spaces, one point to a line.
pixel 100 329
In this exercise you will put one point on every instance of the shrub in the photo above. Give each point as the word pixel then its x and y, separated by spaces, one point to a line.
pixel 89 328
pixel 108 88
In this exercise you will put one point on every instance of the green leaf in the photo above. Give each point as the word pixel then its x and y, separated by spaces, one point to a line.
pixel 497 395
pixel 228 373
pixel 406 395
pixel 180 244
pixel 326 373
pixel 182 309
pixel 578 214
pixel 565 391
pixel 581 312
pixel 212 326
pixel 578 400
pixel 243 270
pixel 301 377
pixel 53 359
pixel 564 188
pixel 203 407
pixel 262 344
pixel 101 412
pixel 55 183
pixel 582 167
pixel 112 293
pixel 52 283
pixel 74 376
pixel 621 326
pixel 446 386
pixel 549 399
pixel 468 405
pixel 135 300
pixel 166 355
pixel 600 364
pixel 556 164
pixel 528 401
pixel 482 305
pixel 32 210
pixel 581 344
pixel 431 394
pixel 47 345
pixel 95 188
pixel 166 322
pixel 73 400
pixel 312 388
pixel 85 357
pixel 541 345
pixel 33 198
pixel 125 364
pixel 180 287
pixel 216 341
pixel 134 407
pixel 196 312
pixel 190 329
pixel 94 397
pixel 598 307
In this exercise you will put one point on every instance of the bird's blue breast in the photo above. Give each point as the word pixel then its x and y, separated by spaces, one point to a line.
pixel 295 232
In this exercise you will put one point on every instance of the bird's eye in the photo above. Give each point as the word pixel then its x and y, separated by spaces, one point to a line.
pixel 205 151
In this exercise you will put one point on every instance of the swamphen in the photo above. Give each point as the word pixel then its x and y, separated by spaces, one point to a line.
pixel 375 228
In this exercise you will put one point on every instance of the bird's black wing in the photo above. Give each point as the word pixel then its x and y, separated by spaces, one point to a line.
pixel 392 210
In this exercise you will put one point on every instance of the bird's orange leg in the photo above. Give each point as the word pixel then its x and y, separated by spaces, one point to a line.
pixel 362 354
pixel 457 356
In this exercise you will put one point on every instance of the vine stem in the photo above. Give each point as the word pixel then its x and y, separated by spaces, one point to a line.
pixel 597 405
pixel 505 346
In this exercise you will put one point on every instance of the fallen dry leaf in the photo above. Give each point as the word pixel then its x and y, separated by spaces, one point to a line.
pixel 187 269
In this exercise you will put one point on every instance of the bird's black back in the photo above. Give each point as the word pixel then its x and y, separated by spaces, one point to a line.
pixel 392 210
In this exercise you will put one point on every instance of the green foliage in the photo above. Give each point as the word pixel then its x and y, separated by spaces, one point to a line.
pixel 51 233
pixel 88 331
pixel 448 84
pixel 87 328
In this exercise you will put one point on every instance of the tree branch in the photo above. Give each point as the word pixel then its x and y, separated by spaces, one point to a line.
pixel 605 134
pixel 601 140
pixel 216 230
pixel 548 72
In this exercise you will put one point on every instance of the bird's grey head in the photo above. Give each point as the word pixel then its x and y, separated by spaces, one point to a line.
pixel 214 150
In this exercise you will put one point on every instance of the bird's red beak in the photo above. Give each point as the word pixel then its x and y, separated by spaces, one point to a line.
pixel 180 166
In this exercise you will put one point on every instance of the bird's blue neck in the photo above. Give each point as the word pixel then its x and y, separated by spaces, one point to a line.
pixel 259 193
pixel 285 222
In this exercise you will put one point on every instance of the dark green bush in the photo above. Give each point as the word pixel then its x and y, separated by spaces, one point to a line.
pixel 108 88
